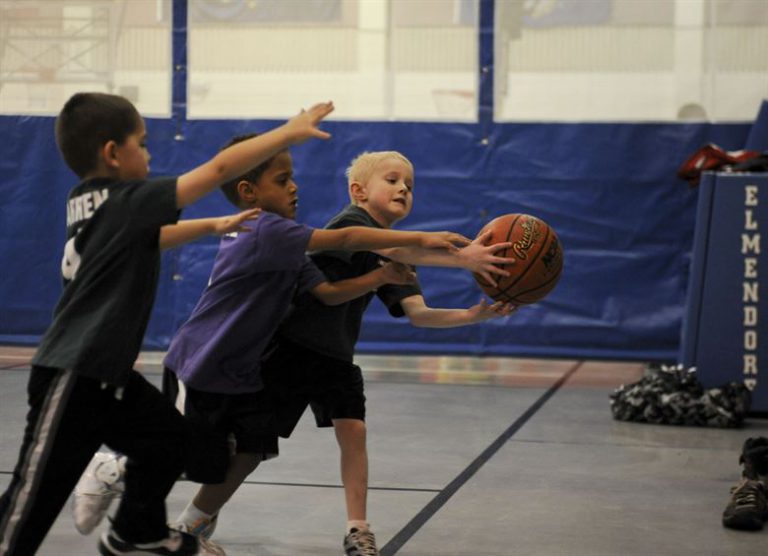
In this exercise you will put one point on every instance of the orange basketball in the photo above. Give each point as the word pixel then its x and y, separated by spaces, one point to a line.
pixel 538 256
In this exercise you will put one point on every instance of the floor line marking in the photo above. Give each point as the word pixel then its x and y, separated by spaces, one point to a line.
pixel 418 521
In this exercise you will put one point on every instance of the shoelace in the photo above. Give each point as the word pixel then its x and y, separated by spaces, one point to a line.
pixel 746 493
pixel 366 542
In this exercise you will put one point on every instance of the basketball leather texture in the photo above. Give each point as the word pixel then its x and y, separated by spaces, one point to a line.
pixel 538 255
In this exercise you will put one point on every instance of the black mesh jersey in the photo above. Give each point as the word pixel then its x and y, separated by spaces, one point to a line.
pixel 110 269
pixel 334 330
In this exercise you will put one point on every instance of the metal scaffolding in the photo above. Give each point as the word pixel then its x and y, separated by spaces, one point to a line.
pixel 56 41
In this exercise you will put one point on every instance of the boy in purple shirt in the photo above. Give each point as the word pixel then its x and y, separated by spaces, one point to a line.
pixel 215 356
pixel 321 371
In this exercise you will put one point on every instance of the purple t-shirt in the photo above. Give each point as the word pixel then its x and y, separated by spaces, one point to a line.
pixel 255 276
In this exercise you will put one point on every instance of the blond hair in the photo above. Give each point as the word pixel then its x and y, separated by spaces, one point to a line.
pixel 362 166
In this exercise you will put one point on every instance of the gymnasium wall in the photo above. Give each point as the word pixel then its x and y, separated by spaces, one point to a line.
pixel 578 117
pixel 625 222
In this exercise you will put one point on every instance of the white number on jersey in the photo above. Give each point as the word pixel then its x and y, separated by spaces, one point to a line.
pixel 71 260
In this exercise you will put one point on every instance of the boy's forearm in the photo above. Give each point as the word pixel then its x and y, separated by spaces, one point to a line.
pixel 440 318
pixel 424 257
pixel 336 293
pixel 369 239
pixel 185 231
pixel 421 315
pixel 230 163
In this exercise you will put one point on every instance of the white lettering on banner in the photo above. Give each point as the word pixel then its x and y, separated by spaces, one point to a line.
pixel 750 315
pixel 750 245
pixel 750 364
pixel 750 292
pixel 749 222
pixel 750 267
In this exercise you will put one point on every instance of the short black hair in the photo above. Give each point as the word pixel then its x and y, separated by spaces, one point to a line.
pixel 230 188
pixel 87 122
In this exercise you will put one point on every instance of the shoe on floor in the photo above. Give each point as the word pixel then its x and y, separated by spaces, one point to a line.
pixel 748 509
pixel 176 543
pixel 360 542
pixel 101 482
pixel 201 528
pixel 754 458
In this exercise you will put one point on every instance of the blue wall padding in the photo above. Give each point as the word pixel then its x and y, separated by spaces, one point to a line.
pixel 609 190
pixel 757 140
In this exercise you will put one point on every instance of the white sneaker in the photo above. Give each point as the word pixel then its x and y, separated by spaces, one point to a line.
pixel 101 483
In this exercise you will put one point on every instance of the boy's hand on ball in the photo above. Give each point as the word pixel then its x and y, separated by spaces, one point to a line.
pixel 481 259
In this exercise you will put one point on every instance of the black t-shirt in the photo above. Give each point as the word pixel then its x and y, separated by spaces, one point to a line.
pixel 334 329
pixel 110 268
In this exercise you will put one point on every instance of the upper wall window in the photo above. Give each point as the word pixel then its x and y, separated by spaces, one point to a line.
pixel 376 59
pixel 630 60
pixel 52 49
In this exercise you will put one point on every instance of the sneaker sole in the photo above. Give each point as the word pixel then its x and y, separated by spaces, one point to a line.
pixel 743 523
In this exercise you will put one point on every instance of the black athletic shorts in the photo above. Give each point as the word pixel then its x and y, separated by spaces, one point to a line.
pixel 217 419
pixel 295 377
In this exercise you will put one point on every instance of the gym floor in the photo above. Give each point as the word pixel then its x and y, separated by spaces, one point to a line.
pixel 470 456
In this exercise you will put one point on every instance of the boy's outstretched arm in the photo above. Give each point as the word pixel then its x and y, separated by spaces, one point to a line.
pixel 334 293
pixel 236 160
pixel 477 257
pixel 184 231
pixel 362 238
pixel 420 315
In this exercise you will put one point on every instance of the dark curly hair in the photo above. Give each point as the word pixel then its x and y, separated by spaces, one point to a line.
pixel 230 188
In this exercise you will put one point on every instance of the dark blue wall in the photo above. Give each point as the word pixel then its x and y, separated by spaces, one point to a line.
pixel 609 190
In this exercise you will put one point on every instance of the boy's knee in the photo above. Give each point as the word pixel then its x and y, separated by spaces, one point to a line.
pixel 349 430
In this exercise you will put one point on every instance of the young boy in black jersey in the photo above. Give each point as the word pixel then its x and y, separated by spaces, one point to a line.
pixel 313 360
pixel 83 391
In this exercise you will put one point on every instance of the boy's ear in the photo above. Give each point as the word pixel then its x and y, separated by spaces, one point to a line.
pixel 358 192
pixel 108 153
pixel 248 191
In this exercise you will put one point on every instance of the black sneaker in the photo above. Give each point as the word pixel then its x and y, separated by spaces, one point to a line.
pixel 360 542
pixel 747 509
pixel 176 543
pixel 754 457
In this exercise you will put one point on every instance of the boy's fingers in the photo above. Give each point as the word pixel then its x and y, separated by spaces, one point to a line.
pixel 502 260
pixel 499 246
pixel 459 239
pixel 484 237
pixel 487 277
pixel 498 271
pixel 321 109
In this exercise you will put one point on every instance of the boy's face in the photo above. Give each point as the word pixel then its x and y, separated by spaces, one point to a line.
pixel 389 191
pixel 277 192
pixel 132 155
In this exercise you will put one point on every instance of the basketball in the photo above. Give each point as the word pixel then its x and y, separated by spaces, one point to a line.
pixel 538 259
